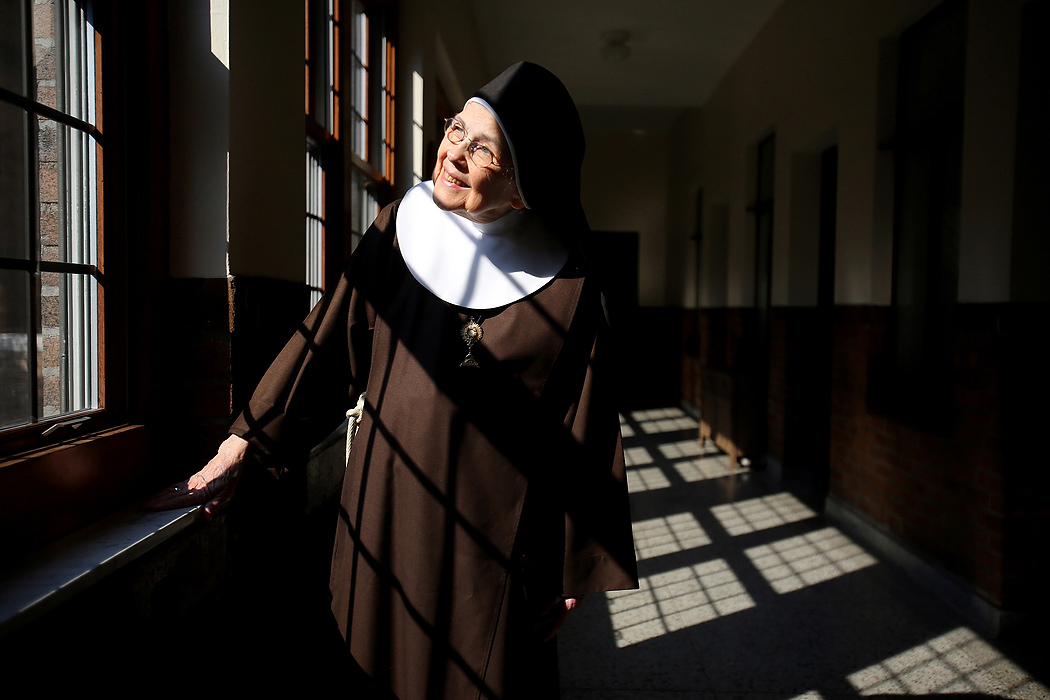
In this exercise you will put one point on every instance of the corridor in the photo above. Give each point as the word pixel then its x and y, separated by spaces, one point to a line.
pixel 748 592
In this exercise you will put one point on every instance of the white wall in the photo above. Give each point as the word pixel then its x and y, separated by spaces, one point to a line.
pixel 812 77
pixel 990 121
pixel 625 189
pixel 237 138
pixel 267 140
pixel 440 47
pixel 200 137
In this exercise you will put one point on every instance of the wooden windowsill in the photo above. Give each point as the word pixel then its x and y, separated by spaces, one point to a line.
pixel 49 493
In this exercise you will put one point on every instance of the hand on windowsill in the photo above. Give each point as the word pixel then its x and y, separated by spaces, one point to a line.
pixel 213 485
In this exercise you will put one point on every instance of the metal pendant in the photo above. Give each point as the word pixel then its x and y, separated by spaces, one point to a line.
pixel 471 333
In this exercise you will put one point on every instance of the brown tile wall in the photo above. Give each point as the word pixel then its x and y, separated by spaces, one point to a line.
pixel 971 496
pixel 725 365
pixel 944 493
pixel 691 362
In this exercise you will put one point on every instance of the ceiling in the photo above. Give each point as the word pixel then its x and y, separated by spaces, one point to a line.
pixel 677 50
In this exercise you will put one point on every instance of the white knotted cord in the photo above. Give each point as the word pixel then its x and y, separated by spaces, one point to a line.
pixel 353 420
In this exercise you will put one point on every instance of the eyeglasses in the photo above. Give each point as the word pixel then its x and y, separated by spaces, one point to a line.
pixel 479 152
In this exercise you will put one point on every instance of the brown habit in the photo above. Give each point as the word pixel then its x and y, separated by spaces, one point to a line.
pixel 473 495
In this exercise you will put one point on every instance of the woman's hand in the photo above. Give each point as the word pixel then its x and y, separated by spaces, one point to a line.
pixel 553 616
pixel 213 485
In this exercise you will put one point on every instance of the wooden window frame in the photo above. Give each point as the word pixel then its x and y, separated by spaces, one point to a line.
pixel 44 427
pixel 55 483
pixel 370 168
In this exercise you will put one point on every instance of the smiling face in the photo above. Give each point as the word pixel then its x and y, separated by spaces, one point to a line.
pixel 465 188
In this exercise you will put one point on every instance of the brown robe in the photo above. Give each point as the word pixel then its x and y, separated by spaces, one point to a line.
pixel 473 495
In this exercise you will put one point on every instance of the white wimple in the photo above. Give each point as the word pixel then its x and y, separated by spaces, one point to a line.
pixel 477 266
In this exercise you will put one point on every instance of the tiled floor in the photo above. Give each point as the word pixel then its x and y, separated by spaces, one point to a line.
pixel 747 592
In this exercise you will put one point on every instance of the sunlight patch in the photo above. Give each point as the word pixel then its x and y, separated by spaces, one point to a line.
pixel 635 456
pixel 669 425
pixel 688 448
pixel 646 479
pixel 761 513
pixel 682 448
pixel 656 414
pixel 675 600
pixel 713 467
pixel 798 562
pixel 957 662
pixel 625 429
pixel 674 533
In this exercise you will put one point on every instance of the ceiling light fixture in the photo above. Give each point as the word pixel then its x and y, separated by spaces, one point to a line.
pixel 614 45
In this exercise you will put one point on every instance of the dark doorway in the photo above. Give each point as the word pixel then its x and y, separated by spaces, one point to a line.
pixel 808 337
pixel 763 210
pixel 824 333
pixel 646 340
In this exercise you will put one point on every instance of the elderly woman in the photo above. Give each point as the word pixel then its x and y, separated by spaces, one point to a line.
pixel 485 492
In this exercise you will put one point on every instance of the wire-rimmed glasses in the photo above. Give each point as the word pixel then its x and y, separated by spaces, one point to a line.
pixel 479 152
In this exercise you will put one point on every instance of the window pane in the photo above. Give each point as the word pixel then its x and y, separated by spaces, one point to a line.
pixel 68 184
pixel 49 187
pixel 64 57
pixel 14 232
pixel 16 400
pixel 69 354
pixel 359 80
pixel 47 52
pixel 387 123
pixel 12 67
pixel 314 226
pixel 79 63
pixel 322 43
pixel 363 204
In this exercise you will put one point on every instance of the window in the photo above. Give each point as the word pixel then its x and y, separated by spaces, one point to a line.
pixel 927 150
pixel 368 123
pixel 322 133
pixel 372 101
pixel 78 367
pixel 51 268
pixel 315 222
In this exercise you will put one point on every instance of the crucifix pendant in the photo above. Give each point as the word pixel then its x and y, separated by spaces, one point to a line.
pixel 471 333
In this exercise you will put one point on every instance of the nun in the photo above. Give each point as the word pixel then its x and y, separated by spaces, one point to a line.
pixel 485 494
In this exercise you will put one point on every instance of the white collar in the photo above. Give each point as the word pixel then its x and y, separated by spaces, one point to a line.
pixel 476 266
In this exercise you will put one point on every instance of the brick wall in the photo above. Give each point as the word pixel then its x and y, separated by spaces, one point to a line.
pixel 49 171
pixel 940 493
pixel 966 489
